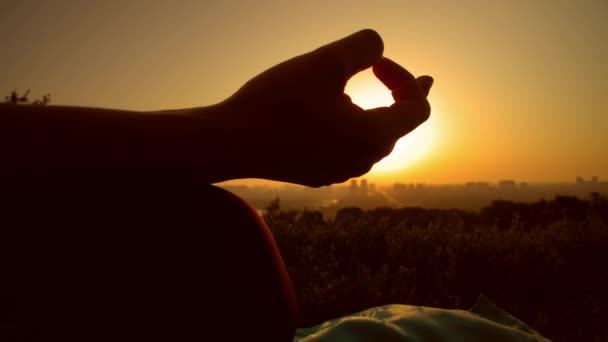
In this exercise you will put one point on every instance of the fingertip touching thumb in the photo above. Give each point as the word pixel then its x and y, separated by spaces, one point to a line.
pixel 425 83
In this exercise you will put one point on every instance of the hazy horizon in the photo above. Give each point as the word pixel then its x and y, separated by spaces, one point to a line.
pixel 380 182
pixel 519 87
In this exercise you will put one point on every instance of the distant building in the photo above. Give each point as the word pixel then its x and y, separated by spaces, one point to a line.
pixel 354 187
pixel 477 185
pixel 372 188
pixel 594 182
pixel 507 185
pixel 399 187
pixel 363 187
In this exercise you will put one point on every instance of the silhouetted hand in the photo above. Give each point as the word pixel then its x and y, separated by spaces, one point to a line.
pixel 298 126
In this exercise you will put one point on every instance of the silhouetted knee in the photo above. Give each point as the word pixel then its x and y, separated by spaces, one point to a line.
pixel 146 258
pixel 251 271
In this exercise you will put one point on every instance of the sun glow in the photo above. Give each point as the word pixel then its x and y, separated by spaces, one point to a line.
pixel 367 92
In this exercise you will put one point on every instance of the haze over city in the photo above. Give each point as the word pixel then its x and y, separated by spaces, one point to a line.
pixel 470 196
pixel 519 87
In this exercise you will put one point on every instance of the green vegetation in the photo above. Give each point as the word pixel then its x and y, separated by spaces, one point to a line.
pixel 543 262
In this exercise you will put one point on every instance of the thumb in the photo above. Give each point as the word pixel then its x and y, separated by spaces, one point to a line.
pixel 356 52
pixel 401 117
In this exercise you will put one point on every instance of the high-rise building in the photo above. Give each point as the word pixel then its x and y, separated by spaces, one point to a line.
pixel 354 187
pixel 363 187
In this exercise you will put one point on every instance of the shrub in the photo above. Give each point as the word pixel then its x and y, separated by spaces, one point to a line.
pixel 543 262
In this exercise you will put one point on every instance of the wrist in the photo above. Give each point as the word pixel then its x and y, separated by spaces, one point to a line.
pixel 215 142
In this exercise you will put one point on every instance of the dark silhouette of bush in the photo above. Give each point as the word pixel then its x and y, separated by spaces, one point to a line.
pixel 544 262
pixel 15 99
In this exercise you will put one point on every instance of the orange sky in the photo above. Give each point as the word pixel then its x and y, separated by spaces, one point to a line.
pixel 520 87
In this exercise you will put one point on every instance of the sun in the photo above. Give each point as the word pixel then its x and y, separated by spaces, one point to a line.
pixel 367 92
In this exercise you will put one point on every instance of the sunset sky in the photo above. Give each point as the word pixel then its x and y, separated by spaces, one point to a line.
pixel 521 87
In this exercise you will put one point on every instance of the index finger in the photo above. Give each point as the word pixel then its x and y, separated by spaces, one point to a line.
pixel 356 52
pixel 397 79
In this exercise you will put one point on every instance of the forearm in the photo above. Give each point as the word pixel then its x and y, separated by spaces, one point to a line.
pixel 66 139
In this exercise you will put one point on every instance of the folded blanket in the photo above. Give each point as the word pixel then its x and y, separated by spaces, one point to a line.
pixel 400 323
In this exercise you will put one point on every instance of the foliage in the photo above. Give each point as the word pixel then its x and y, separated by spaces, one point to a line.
pixel 14 98
pixel 543 262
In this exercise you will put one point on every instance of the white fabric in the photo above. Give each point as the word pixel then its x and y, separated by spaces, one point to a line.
pixel 401 323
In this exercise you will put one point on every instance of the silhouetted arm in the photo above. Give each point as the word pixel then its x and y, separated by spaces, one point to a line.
pixel 291 123
pixel 77 139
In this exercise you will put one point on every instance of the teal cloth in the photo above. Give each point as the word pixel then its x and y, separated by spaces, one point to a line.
pixel 401 323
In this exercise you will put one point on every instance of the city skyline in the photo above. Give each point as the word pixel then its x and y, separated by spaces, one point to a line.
pixel 362 193
pixel 373 180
